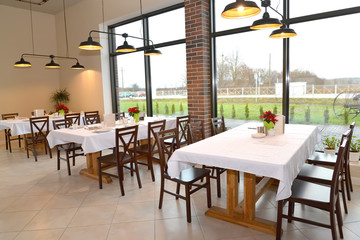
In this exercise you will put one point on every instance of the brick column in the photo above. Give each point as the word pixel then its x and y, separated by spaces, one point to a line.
pixel 197 26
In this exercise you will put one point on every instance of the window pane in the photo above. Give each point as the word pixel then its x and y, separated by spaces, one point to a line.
pixel 249 73
pixel 168 77
pixel 225 24
pixel 130 81
pixel 132 29
pixel 167 26
pixel 324 64
pixel 307 7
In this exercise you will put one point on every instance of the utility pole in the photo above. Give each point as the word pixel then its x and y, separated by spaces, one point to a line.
pixel 122 78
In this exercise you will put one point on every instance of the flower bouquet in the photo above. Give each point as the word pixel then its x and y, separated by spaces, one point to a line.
pixel 269 119
pixel 135 113
pixel 62 109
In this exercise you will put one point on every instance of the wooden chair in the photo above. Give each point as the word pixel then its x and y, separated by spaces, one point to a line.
pixel 74 117
pixel 119 115
pixel 197 133
pixel 323 175
pixel 69 148
pixel 90 115
pixel 8 137
pixel 317 196
pixel 188 177
pixel 150 148
pixel 92 119
pixel 125 138
pixel 325 159
pixel 182 126
pixel 39 130
pixel 217 125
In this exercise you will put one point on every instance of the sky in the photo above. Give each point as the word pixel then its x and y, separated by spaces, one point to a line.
pixel 328 48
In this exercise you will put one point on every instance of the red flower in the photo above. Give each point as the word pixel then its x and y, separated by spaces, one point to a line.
pixel 62 107
pixel 133 110
pixel 269 117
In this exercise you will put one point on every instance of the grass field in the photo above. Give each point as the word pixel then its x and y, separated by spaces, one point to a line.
pixel 315 107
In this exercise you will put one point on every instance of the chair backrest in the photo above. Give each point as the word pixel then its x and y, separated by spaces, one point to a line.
pixel 154 127
pixel 338 170
pixel 74 117
pixel 182 125
pixel 39 128
pixel 62 123
pixel 119 115
pixel 92 119
pixel 125 139
pixel 6 116
pixel 217 125
pixel 165 149
pixel 90 113
pixel 197 131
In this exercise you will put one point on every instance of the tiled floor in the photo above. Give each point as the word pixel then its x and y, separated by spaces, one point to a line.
pixel 39 202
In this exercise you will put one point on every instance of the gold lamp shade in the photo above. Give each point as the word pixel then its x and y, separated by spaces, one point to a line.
pixel 22 64
pixel 283 33
pixel 240 9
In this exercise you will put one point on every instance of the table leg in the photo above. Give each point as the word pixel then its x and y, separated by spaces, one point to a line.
pixel 92 168
pixel 244 213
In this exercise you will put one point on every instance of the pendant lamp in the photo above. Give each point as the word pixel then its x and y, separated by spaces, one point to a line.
pixel 90 44
pixel 22 64
pixel 52 64
pixel 77 66
pixel 152 51
pixel 266 23
pixel 125 48
pixel 283 32
pixel 240 9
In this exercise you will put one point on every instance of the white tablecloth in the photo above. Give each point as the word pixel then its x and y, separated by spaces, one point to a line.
pixel 280 157
pixel 94 142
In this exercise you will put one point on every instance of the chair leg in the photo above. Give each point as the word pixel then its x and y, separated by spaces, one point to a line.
pixel 332 224
pixel 218 182
pixel 58 159
pixel 68 162
pixel 349 177
pixel 100 174
pixel 121 179
pixel 34 151
pixel 137 174
pixel 208 191
pixel 50 152
pixel 291 210
pixel 343 195
pixel 177 190
pixel 19 138
pixel 339 218
pixel 347 185
pixel 9 139
pixel 6 139
pixel 161 192
pixel 279 220
pixel 188 205
pixel 73 157
pixel 150 166
pixel 27 148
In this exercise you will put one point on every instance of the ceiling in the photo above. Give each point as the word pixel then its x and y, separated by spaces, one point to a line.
pixel 51 6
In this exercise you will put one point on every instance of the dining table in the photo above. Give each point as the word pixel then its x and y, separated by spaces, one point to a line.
pixel 96 138
pixel 276 160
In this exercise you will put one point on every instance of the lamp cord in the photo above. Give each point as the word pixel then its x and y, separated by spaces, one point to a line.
pixel 103 14
pixel 66 35
pixel 32 29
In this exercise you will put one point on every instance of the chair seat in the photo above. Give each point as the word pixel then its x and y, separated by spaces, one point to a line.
pixel 322 158
pixel 191 175
pixel 144 148
pixel 69 147
pixel 39 139
pixel 311 192
pixel 111 158
pixel 314 173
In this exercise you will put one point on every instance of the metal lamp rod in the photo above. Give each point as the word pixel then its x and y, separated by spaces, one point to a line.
pixel 124 35
pixel 50 56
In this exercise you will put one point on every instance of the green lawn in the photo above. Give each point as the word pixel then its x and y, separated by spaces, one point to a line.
pixel 316 107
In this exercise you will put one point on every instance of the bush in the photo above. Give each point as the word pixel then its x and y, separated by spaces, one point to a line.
pixel 326 115
pixel 143 107
pixel 181 108
pixel 261 110
pixel 346 116
pixel 307 114
pixel 173 109
pixel 222 110
pixel 233 113
pixel 137 105
pixel 166 109
pixel 247 113
pixel 275 110
pixel 292 113
pixel 157 108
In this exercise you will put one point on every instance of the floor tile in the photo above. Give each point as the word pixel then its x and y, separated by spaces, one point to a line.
pixel 99 232
pixel 53 234
pixel 51 219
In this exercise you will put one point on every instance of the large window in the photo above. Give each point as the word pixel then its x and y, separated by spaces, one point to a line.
pixel 248 65
pixel 156 84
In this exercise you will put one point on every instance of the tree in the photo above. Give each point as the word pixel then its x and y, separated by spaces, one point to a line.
pixel 172 109
pixel 135 87
pixel 247 111
pixel 157 108
pixel 222 110
pixel 233 113
pixel 222 71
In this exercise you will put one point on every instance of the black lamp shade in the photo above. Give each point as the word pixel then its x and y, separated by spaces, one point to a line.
pixel 52 65
pixel 152 51
pixel 90 44
pixel 283 33
pixel 266 23
pixel 77 66
pixel 240 9
pixel 125 48
pixel 22 64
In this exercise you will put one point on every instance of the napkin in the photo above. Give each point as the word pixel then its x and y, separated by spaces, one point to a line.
pixel 109 120
pixel 280 124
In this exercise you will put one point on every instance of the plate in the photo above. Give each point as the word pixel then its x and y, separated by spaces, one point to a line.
pixel 103 130
pixel 258 135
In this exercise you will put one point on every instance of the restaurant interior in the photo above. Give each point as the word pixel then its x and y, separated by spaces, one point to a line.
pixel 237 99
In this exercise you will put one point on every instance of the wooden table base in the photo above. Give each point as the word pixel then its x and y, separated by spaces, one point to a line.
pixel 244 213
pixel 92 168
